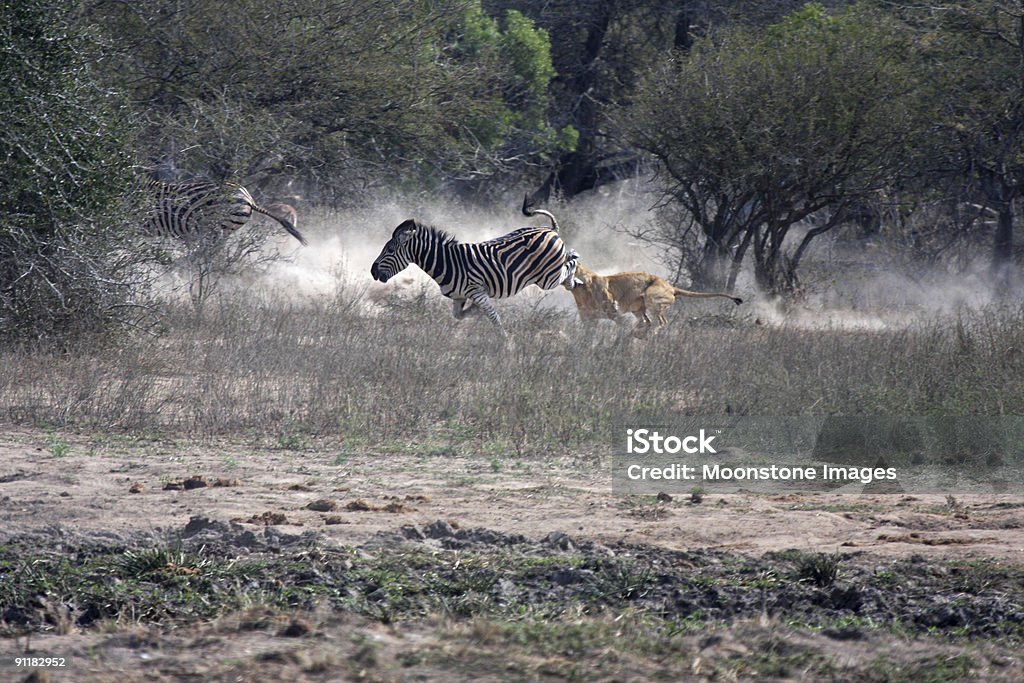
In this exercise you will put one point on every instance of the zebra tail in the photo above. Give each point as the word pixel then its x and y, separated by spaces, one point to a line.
pixel 528 210
pixel 287 224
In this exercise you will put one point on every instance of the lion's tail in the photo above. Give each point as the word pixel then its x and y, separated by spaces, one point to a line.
pixel 707 295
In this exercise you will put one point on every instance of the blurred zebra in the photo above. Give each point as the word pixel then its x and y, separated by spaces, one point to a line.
pixel 475 273
pixel 190 211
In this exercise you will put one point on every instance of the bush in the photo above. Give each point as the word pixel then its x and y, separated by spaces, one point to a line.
pixel 66 262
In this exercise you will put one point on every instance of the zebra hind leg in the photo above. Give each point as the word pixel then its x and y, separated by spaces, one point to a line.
pixel 568 274
pixel 484 302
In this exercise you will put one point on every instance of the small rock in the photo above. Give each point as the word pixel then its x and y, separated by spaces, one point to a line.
pixel 196 524
pixel 559 540
pixel 297 628
pixel 439 529
pixel 323 505
pixel 844 633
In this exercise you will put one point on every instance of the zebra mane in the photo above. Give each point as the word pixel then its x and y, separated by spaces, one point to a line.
pixel 442 236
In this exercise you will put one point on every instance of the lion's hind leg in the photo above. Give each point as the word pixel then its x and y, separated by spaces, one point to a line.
pixel 643 324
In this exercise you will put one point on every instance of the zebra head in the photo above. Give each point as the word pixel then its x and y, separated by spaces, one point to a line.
pixel 395 256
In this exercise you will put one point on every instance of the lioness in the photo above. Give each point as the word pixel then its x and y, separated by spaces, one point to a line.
pixel 642 294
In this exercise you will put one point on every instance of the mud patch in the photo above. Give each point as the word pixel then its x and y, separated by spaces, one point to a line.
pixel 198 481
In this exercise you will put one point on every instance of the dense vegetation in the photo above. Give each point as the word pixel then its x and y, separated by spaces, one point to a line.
pixel 763 127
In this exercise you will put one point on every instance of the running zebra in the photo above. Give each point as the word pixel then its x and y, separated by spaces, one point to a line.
pixel 475 273
pixel 190 211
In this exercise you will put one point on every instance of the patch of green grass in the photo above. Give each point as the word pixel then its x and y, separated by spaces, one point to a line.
pixel 293 441
pixel 821 569
pixel 501 580
pixel 577 637
pixel 57 446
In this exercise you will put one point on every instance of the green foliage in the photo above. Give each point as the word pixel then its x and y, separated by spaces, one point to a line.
pixel 807 23
pixel 480 32
pixel 357 93
pixel 63 166
pixel 529 49
pixel 58 447
pixel 514 116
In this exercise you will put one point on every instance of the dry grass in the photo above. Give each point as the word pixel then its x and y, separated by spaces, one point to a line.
pixel 385 374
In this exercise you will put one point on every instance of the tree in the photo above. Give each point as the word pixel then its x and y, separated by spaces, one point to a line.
pixel 513 103
pixel 600 49
pixel 341 94
pixel 757 130
pixel 64 268
pixel 975 54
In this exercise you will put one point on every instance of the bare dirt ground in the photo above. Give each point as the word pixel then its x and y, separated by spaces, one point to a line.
pixel 54 486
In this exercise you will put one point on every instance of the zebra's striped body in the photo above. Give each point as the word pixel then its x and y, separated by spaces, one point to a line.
pixel 191 211
pixel 475 273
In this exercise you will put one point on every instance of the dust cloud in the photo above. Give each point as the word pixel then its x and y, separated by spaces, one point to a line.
pixel 343 244
pixel 857 288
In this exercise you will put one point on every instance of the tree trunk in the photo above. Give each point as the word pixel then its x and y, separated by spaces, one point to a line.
pixel 1002 249
pixel 737 260
pixel 576 171
pixel 711 273
pixel 585 168
pixel 684 20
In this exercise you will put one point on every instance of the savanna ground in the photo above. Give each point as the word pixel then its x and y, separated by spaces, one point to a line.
pixel 346 485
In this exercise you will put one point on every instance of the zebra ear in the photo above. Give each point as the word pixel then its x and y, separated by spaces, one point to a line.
pixel 405 230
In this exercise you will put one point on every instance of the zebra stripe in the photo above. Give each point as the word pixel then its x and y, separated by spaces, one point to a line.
pixel 474 273
pixel 189 211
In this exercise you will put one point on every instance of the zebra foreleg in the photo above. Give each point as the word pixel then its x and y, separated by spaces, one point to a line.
pixel 461 308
